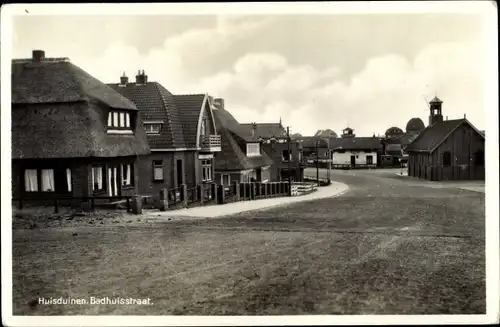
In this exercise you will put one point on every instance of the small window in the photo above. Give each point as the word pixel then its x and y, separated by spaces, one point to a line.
pixel 285 155
pixel 115 119
pixel 447 159
pixel 68 179
pixel 226 180
pixel 122 119
pixel 127 172
pixel 119 120
pixel 30 180
pixel 206 166
pixel 98 178
pixel 157 170
pixel 479 158
pixel 369 160
pixel 127 119
pixel 47 177
pixel 152 128
pixel 253 149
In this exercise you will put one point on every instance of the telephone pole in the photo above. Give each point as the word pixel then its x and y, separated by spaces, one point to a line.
pixel 289 162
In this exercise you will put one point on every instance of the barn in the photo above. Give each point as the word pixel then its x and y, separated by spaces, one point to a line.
pixel 447 150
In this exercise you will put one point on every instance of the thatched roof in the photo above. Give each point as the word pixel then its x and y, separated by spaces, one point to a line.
pixel 266 130
pixel 60 111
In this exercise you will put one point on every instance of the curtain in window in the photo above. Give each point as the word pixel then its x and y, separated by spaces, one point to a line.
pixel 127 120
pixel 97 178
pixel 115 119
pixel 48 180
pixel 122 119
pixel 30 180
pixel 68 178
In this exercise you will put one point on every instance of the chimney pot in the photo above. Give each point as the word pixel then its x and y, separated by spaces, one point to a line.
pixel 123 79
pixel 219 103
pixel 38 55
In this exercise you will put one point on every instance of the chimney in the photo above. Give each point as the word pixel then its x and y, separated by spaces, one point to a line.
pixel 254 127
pixel 141 78
pixel 38 55
pixel 124 79
pixel 219 103
pixel 465 116
pixel 446 117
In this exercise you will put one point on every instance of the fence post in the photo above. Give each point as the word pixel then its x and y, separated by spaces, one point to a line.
pixel 199 190
pixel 266 189
pixel 128 204
pixel 244 188
pixel 221 196
pixel 163 201
pixel 92 204
pixel 213 190
pixel 20 204
pixel 237 190
pixel 137 204
pixel 258 189
pixel 56 208
pixel 252 191
pixel 184 194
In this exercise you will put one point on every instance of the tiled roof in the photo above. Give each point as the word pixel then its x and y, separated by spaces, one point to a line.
pixel 433 135
pixel 310 142
pixel 233 144
pixel 189 106
pixel 356 143
pixel 156 103
pixel 60 81
pixel 266 130
pixel 71 126
pixel 415 124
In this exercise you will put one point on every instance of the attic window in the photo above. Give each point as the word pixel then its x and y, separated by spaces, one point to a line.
pixel 152 128
pixel 447 159
pixel 119 122
pixel 253 149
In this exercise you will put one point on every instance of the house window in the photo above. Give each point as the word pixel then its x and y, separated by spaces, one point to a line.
pixel 68 179
pixel 152 128
pixel 447 158
pixel 98 178
pixel 30 180
pixel 127 174
pixel 369 160
pixel 47 177
pixel 118 120
pixel 253 149
pixel 157 170
pixel 206 166
pixel 479 157
pixel 226 179
pixel 285 155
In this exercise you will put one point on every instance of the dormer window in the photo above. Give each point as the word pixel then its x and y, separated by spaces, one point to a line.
pixel 253 149
pixel 119 122
pixel 152 127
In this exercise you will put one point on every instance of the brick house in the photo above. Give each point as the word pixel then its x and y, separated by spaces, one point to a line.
pixel 274 140
pixel 447 150
pixel 180 131
pixel 72 135
pixel 242 158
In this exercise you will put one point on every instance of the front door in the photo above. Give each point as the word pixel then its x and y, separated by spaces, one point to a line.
pixel 180 173
pixel 353 160
pixel 113 181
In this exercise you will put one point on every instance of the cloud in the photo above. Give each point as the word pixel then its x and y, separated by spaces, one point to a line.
pixel 388 91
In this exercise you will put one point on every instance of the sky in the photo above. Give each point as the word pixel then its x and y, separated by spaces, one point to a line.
pixel 314 71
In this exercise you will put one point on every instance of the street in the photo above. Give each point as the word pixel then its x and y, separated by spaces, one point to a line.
pixel 390 245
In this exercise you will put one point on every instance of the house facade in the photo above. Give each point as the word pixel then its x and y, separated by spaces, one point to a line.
pixel 447 150
pixel 355 152
pixel 72 135
pixel 286 153
pixel 242 158
pixel 180 131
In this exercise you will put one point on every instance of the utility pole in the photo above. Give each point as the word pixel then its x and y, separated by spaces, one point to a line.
pixel 317 162
pixel 289 162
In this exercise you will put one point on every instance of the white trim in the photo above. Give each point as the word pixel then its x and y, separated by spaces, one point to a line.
pixel 265 181
pixel 175 149
pixel 120 131
pixel 205 156
pixel 200 117
pixel 152 121
pixel 233 171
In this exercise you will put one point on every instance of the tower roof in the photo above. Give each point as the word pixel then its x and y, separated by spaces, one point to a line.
pixel 415 125
pixel 436 100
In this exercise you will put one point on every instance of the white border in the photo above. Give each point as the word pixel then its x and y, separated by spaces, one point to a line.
pixel 487 8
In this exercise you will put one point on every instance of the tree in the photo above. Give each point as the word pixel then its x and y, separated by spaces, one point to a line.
pixel 296 136
pixel 325 133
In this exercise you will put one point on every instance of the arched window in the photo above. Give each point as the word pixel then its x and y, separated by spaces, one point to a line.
pixel 447 158
pixel 479 157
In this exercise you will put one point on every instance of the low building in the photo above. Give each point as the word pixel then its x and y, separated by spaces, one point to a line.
pixel 72 135
pixel 242 158
pixel 287 156
pixel 354 152
pixel 181 133
pixel 447 150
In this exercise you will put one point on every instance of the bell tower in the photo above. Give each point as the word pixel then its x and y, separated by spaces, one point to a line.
pixel 436 115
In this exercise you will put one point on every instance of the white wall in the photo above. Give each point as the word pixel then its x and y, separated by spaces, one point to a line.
pixel 345 158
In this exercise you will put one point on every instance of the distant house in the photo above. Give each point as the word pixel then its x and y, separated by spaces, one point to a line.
pixel 395 142
pixel 180 131
pixel 72 136
pixel 242 158
pixel 316 151
pixel 274 140
pixel 447 150
pixel 354 152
